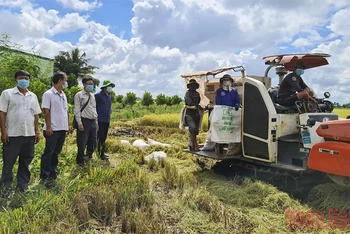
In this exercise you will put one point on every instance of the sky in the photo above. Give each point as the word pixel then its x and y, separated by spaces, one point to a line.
pixel 145 45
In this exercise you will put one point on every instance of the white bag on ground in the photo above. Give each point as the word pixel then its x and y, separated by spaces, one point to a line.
pixel 153 142
pixel 125 142
pixel 140 144
pixel 225 125
pixel 156 155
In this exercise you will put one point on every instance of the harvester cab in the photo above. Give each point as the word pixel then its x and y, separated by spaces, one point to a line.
pixel 280 138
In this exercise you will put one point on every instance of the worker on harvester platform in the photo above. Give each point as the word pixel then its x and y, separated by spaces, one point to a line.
pixel 293 88
pixel 192 113
pixel 227 95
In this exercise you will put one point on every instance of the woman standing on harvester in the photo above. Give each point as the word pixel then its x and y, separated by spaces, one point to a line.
pixel 192 116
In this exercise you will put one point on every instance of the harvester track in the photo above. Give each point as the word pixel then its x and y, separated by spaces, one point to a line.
pixel 296 184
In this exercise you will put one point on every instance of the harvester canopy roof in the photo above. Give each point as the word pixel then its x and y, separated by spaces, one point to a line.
pixel 289 61
pixel 212 72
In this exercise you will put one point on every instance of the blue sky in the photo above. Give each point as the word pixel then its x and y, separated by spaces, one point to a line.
pixel 145 45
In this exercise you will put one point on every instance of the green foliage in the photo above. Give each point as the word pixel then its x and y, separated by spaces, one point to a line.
pixel 161 99
pixel 75 65
pixel 175 100
pixel 113 97
pixel 119 98
pixel 12 60
pixel 138 110
pixel 70 93
pixel 130 99
pixel 147 99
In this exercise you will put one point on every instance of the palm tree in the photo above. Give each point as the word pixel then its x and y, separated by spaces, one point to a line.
pixel 75 65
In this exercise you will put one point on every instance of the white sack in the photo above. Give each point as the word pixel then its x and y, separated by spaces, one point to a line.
pixel 225 125
pixel 156 155
pixel 153 142
pixel 141 144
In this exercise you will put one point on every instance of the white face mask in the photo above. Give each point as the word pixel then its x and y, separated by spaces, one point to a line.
pixel 226 83
pixel 109 89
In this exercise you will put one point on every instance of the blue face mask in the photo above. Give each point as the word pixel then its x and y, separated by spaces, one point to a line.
pixel 299 72
pixel 23 84
pixel 65 85
pixel 90 88
pixel 109 89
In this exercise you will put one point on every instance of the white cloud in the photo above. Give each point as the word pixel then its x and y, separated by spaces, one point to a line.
pixel 172 37
pixel 80 5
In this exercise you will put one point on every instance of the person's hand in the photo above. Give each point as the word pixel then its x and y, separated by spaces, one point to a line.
pixel 236 108
pixel 48 131
pixel 97 127
pixel 37 137
pixel 4 138
pixel 81 127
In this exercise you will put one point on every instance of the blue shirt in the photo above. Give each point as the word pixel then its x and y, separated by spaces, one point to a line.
pixel 227 98
pixel 103 107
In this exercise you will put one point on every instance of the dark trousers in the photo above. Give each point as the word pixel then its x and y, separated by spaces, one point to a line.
pixel 24 148
pixel 49 159
pixel 101 137
pixel 86 139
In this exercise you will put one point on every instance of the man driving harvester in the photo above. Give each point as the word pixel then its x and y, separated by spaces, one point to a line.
pixel 293 88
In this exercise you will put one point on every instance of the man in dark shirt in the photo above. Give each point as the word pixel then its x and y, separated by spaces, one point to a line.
pixel 192 117
pixel 103 108
pixel 293 88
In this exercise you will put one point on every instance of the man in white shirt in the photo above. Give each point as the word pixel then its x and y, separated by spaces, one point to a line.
pixel 19 122
pixel 55 107
pixel 86 119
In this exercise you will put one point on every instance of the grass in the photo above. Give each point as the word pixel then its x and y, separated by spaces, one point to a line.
pixel 173 195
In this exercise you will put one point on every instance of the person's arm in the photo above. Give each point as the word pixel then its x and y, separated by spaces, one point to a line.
pixel 236 100
pixel 4 100
pixel 36 129
pixel 77 108
pixel 294 83
pixel 47 116
pixel 218 100
pixel 4 136
pixel 46 105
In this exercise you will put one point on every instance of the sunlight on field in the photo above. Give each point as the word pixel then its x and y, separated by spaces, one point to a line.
pixel 342 112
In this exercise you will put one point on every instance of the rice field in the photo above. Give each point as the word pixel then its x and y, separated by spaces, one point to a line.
pixel 178 194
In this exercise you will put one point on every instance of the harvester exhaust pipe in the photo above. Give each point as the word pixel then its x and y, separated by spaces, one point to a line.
pixel 281 71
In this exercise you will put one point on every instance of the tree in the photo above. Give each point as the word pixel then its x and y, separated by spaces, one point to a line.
pixel 161 99
pixel 147 99
pixel 130 99
pixel 175 100
pixel 13 59
pixel 75 65
pixel 168 100
pixel 119 98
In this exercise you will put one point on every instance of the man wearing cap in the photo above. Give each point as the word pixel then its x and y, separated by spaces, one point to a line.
pixel 227 95
pixel 293 88
pixel 103 108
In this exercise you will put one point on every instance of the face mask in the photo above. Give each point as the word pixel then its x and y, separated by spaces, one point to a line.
pixel 23 84
pixel 90 88
pixel 226 83
pixel 109 89
pixel 65 85
pixel 299 72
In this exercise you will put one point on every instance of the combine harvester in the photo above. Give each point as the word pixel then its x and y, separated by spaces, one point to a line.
pixel 304 140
